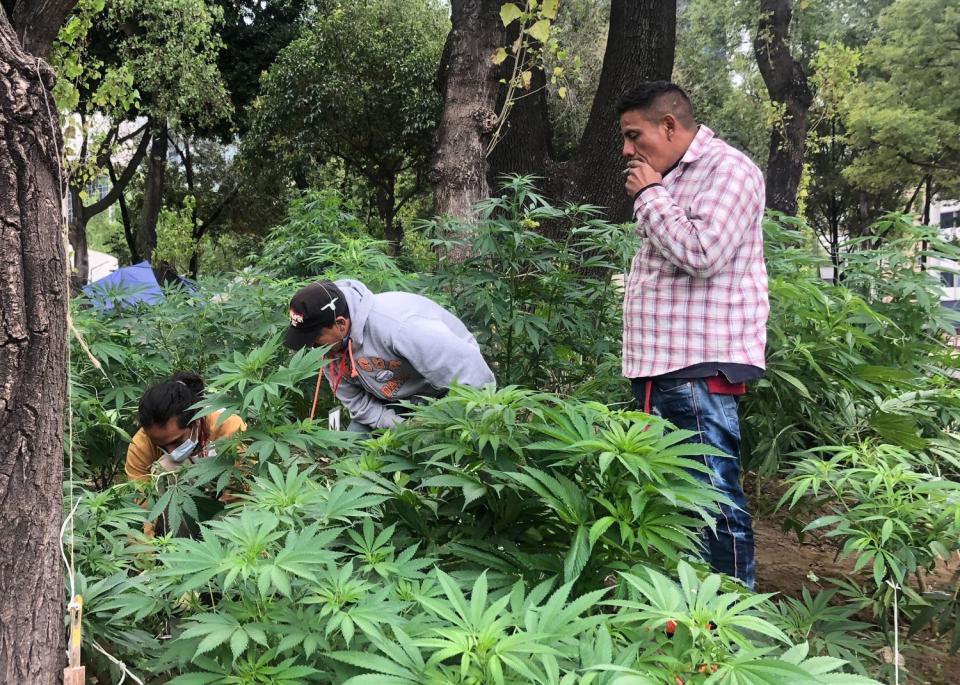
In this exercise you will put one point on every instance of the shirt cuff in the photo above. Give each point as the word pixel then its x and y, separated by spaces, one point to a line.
pixel 639 200
pixel 646 187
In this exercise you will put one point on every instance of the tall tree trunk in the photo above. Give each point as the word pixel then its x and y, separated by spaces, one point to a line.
pixel 927 200
pixel 787 84
pixel 470 87
pixel 386 200
pixel 640 47
pixel 78 241
pixel 153 191
pixel 33 300
pixel 128 232
pixel 37 23
pixel 526 145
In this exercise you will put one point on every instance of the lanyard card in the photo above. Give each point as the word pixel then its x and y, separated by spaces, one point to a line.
pixel 333 419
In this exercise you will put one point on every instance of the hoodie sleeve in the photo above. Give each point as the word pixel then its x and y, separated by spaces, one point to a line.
pixel 364 407
pixel 439 355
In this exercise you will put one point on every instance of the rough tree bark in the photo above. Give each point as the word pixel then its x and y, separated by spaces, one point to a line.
pixel 640 47
pixel 33 300
pixel 787 84
pixel 469 86
pixel 153 190
pixel 641 44
pixel 526 145
pixel 37 23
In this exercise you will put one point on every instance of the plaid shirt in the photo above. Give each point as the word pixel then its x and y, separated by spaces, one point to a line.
pixel 697 290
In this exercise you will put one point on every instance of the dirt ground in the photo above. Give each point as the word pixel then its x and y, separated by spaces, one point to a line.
pixel 784 565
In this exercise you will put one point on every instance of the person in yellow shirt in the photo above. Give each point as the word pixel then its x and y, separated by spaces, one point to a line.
pixel 168 433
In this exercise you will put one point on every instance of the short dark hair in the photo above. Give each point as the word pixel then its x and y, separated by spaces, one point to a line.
pixel 659 98
pixel 170 398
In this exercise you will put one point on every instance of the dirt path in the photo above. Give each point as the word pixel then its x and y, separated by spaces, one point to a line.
pixel 784 565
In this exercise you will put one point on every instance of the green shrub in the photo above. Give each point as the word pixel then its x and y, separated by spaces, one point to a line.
pixel 867 359
pixel 546 310
pixel 481 541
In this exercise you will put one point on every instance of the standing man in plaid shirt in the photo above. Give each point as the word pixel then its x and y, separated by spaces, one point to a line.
pixel 695 309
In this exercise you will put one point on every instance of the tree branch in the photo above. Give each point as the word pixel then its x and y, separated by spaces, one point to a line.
pixel 125 217
pixel 180 152
pixel 122 180
pixel 928 165
pixel 217 212
pixel 103 149
pixel 909 205
pixel 130 136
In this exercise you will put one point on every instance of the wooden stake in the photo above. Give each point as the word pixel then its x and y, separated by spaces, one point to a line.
pixel 75 674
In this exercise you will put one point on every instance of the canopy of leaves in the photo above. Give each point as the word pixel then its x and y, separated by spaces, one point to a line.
pixel 357 85
pixel 907 112
pixel 171 47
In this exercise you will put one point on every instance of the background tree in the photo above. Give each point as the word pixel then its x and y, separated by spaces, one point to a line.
pixel 226 198
pixel 33 328
pixel 469 88
pixel 786 82
pixel 825 39
pixel 357 87
pixel 836 208
pixel 253 34
pixel 905 115
pixel 720 73
pixel 126 62
pixel 640 46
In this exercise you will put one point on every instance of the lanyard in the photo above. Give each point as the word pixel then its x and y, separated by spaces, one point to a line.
pixel 336 377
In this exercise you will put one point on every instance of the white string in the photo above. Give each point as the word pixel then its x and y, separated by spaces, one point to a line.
pixel 69 520
pixel 71 573
pixel 896 634
pixel 124 671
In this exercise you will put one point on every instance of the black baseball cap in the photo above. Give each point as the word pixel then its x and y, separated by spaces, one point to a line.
pixel 312 309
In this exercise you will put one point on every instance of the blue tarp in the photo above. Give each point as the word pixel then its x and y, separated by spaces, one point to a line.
pixel 125 286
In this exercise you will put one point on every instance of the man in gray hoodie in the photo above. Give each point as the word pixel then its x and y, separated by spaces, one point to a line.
pixel 387 347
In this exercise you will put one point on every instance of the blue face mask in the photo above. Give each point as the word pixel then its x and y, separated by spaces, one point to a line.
pixel 185 449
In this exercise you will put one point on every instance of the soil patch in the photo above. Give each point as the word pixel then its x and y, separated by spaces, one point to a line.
pixel 786 565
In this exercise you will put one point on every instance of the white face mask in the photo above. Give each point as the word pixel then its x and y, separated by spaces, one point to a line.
pixel 185 449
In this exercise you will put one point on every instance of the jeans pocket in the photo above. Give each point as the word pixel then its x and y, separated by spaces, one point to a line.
pixel 729 405
pixel 666 385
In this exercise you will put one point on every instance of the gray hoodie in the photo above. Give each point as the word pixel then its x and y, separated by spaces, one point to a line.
pixel 404 345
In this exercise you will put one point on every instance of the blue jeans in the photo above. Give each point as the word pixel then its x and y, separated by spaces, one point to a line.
pixel 687 404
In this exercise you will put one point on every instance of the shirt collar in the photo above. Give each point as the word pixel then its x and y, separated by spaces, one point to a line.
pixel 698 145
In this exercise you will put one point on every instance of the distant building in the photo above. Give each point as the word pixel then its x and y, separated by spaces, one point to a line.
pixel 946 216
pixel 95 190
